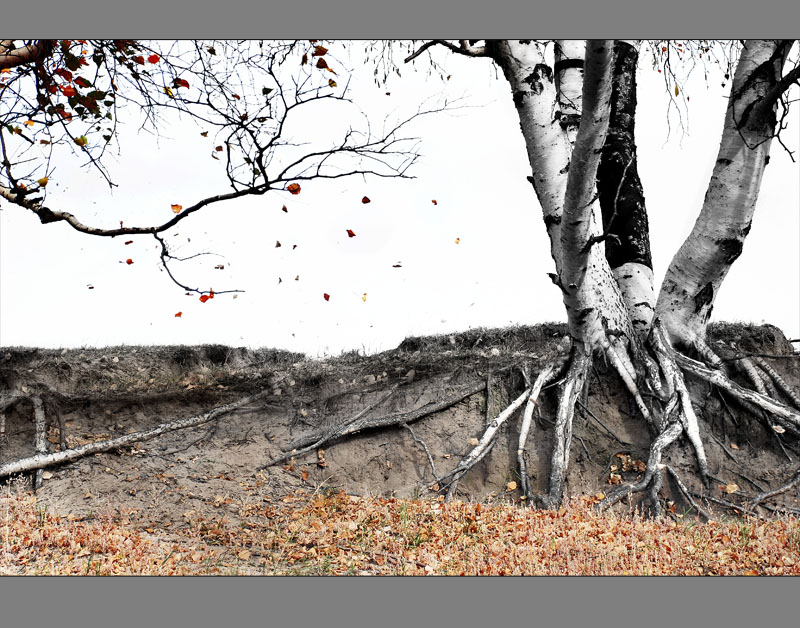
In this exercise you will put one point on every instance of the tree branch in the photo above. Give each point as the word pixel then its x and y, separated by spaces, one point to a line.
pixel 464 48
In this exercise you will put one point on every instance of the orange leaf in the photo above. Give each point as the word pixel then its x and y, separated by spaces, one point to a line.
pixel 458 240
pixel 179 314
pixel 29 123
pixel 176 208
pixel 326 296
pixel 82 82
pixel 204 298
pixel 365 200
pixel 351 233
pixel 319 51
pixel 304 475
pixel 294 188
pixel 322 64
pixel 68 91
pixel 511 486
pixel 153 58
pixel 364 297
pixel 129 261
pixel 434 202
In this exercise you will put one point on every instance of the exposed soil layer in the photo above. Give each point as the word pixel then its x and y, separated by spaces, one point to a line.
pixel 211 469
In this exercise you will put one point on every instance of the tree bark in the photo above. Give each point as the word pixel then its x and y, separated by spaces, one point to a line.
pixel 697 271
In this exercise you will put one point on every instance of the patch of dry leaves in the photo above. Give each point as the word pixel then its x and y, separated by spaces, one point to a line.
pixel 334 533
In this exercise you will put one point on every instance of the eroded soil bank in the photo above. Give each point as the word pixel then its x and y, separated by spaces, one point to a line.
pixel 211 469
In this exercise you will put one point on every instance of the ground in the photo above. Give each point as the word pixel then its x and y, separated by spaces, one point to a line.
pixel 212 471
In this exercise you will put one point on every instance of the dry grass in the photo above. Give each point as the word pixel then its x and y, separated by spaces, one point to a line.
pixel 334 533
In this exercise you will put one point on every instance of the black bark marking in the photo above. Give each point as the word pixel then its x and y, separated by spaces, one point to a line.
pixel 551 220
pixel 722 161
pixel 565 169
pixel 565 64
pixel 622 202
pixel 703 298
pixel 746 229
pixel 567 120
pixel 731 248
pixel 643 304
pixel 545 70
pixel 583 314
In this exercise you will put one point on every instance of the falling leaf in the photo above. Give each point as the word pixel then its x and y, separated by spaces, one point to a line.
pixel 331 83
pixel 319 51
pixel 168 92
pixel 218 149
pixel 397 265
pixel 204 133
pixel 43 181
pixel 294 246
pixel 677 91
pixel 351 233
pixel 322 64
pixel 179 82
pixel 219 267
pixel 434 202
pixel 473 441
pixel 153 58
pixel 284 209
pixel 304 60
pixel 293 188
pixel 326 296
pixel 129 261
pixel 237 97
pixel 129 242
pixel 139 59
pixel 178 314
pixel 45 142
pixel 364 297
pixel 458 240
pixel 277 244
pixel 176 208
pixel 511 486
pixel 90 286
pixel 365 200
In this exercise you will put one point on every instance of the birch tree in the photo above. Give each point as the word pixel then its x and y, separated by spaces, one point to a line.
pixel 576 102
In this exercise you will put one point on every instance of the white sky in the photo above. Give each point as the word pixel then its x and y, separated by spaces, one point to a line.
pixel 474 164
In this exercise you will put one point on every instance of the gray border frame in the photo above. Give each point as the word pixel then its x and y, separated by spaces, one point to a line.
pixel 241 602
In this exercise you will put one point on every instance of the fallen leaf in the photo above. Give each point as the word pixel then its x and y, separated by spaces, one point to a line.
pixel 46 475
pixel 734 446
pixel 398 265
pixel 218 149
pixel 293 188
pixel 304 475
pixel 731 488
pixel 244 554
pixel 511 486
pixel 473 441
pixel 778 429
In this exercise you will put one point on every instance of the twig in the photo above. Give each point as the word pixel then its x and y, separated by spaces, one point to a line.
pixel 781 489
pixel 425 447
pixel 721 444
pixel 379 422
pixel 40 461
pixel 686 494
pixel 727 504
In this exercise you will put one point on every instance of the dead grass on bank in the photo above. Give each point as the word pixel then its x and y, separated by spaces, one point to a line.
pixel 338 534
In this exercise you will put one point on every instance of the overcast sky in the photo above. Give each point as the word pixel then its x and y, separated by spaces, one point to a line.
pixel 478 257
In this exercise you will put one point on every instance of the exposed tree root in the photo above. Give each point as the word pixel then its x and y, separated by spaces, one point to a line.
pixel 686 494
pixel 359 424
pixel 42 460
pixel 781 489
pixel 40 440
pixel 425 447
pixel 779 382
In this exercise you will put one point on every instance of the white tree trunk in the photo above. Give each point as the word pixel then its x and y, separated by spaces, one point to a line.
pixel 698 269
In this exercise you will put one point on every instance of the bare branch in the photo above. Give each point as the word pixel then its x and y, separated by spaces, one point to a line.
pixel 464 47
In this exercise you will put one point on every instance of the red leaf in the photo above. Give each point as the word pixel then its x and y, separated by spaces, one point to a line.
pixel 139 59
pixel 218 149
pixel 65 74
pixel 179 82
pixel 351 233
pixel 204 298
pixel 129 242
pixel 179 314
pixel 69 91
pixel 284 209
pixel 304 60
pixel 153 58
pixel 365 200
pixel 326 296
pixel 434 202
pixel 82 82
pixel 237 97
pixel 322 64
pixel 129 261
pixel 319 51
pixel 294 188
